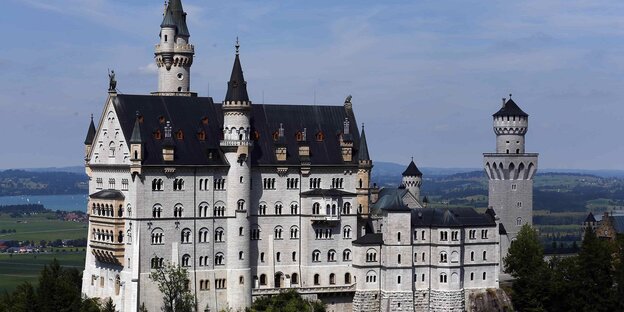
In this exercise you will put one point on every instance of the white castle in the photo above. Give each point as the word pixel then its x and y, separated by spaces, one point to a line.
pixel 254 199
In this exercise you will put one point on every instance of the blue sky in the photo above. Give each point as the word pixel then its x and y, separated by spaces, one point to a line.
pixel 425 75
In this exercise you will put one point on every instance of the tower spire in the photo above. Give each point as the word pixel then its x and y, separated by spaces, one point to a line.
pixel 363 152
pixel 237 86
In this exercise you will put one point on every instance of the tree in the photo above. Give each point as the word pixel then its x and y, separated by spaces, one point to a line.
pixel 109 306
pixel 173 283
pixel 286 301
pixel 595 275
pixel 525 262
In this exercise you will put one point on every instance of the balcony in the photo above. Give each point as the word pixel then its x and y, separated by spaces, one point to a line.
pixel 236 143
pixel 177 48
pixel 108 252
pixel 305 290
pixel 325 218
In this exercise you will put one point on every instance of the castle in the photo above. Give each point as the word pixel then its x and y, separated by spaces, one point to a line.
pixel 253 199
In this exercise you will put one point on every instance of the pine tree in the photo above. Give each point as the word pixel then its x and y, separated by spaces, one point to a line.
pixel 173 283
pixel 109 306
pixel 595 274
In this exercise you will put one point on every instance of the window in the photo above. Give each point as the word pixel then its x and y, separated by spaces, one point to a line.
pixel 278 209
pixel 278 232
pixel 519 204
pixel 317 279
pixel 292 183
pixel 99 183
pixel 398 236
pixel 111 184
pixel 316 255
pixel 346 232
pixel 346 208
pixel 294 232
pixel 111 148
pixel 240 205
pixel 332 279
pixel 203 261
pixel 443 257
pixel 221 283
pixel 263 280
pixel 124 184
pixel 484 234
pixel 371 277
pixel 455 235
pixel 472 234
pixel 337 183
pixel 315 183
pixel 157 236
pixel 472 276
pixel 156 211
pixel 156 263
pixel 178 184
pixel 255 233
pixel 262 209
pixel 472 256
pixel 347 278
pixel 241 255
pixel 371 255
pixel 484 276
pixel 185 236
pixel 294 256
pixel 422 235
pixel 219 259
pixel 219 184
pixel 316 209
pixel 202 210
pixel 519 221
pixel 219 210
pixel 443 235
pixel 346 255
pixel 399 279
pixel 278 257
pixel 186 261
pixel 157 185
pixel 268 183
pixel 331 256
pixel 484 255
pixel 443 278
pixel 399 259
pixel 514 187
pixel 262 257
pixel 294 209
pixel 177 211
pixel 219 235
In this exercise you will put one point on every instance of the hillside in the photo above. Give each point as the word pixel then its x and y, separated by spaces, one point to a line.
pixel 21 182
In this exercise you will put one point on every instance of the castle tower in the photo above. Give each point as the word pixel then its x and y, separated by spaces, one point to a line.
pixel 174 54
pixel 510 171
pixel 236 145
pixel 365 165
pixel 412 179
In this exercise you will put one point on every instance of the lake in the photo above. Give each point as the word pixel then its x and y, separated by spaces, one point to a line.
pixel 76 202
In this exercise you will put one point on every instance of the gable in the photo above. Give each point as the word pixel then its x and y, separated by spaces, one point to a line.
pixel 411 201
pixel 110 145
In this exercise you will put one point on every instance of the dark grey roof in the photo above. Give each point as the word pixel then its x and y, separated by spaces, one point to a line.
pixel 108 194
pixel 618 223
pixel 136 133
pixel 179 17
pixel 391 200
pixel 501 229
pixel 590 218
pixel 237 86
pixel 363 147
pixel 194 114
pixel 168 20
pixel 327 193
pixel 90 133
pixel 449 217
pixel 369 239
pixel 412 170
pixel 510 108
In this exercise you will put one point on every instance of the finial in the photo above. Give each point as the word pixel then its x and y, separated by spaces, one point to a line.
pixel 504 101
pixel 237 45
pixel 510 96
pixel 91 117
pixel 412 158
pixel 137 113
pixel 362 126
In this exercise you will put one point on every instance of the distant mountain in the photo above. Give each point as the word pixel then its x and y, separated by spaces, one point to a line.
pixel 22 182
pixel 72 169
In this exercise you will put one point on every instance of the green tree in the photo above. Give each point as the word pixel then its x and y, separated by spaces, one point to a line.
pixel 595 275
pixel 59 289
pixel 173 283
pixel 525 262
pixel 563 285
pixel 286 301
pixel 109 306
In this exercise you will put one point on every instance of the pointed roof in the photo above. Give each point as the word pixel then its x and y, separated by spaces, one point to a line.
pixel 237 86
pixel 136 133
pixel 363 146
pixel 412 170
pixel 175 16
pixel 90 133
pixel 590 218
pixel 510 108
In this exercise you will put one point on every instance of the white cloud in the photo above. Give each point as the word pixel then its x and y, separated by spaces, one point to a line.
pixel 148 69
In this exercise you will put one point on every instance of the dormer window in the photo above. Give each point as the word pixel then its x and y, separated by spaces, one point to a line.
pixel 299 136
pixel 157 134
pixel 204 120
pixel 256 135
pixel 201 135
pixel 180 135
pixel 275 135
pixel 320 136
pixel 161 119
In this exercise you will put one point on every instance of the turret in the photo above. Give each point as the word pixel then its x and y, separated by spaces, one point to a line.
pixel 174 54
pixel 364 171
pixel 510 126
pixel 412 179
pixel 136 147
pixel 89 139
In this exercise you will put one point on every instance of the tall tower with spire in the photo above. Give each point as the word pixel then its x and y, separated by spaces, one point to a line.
pixel 510 172
pixel 174 54
pixel 236 146
pixel 412 179
pixel 365 165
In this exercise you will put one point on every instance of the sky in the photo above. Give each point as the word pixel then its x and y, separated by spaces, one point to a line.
pixel 425 76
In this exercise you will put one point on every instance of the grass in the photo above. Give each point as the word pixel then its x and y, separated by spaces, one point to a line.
pixel 39 227
pixel 18 268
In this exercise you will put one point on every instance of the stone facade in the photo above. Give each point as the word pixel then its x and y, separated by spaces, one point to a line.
pixel 367 301
pixel 446 301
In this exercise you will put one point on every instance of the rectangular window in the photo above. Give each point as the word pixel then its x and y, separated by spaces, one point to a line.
pixel 513 187
pixel 111 184
pixel 100 183
pixel 220 283
pixel 124 184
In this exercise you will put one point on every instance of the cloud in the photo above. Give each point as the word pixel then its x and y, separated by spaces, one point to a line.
pixel 149 69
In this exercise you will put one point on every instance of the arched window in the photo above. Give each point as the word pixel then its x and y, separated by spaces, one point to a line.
pixel 346 208
pixel 347 278
pixel 317 279
pixel 443 257
pixel 241 255
pixel 399 258
pixel 278 208
pixel 177 211
pixel 472 256
pixel 294 232
pixel 263 279
pixel 484 255
pixel 294 278
pixel 332 279
pixel 346 232
pixel 346 255
pixel 186 261
pixel 371 255
pixel 156 211
pixel 371 277
pixel 443 278
pixel 519 221
pixel 202 210
pixel 316 209
pixel 484 275
pixel 157 236
pixel 278 232
pixel 219 235
pixel 255 232
pixel 185 236
pixel 241 205
pixel 219 259
pixel 203 235
pixel 294 209
pixel 331 255
pixel 262 209
pixel 278 257
pixel 316 255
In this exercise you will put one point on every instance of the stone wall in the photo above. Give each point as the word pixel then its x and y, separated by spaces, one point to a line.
pixel 397 301
pixel 421 300
pixel 366 301
pixel 445 301
pixel 488 300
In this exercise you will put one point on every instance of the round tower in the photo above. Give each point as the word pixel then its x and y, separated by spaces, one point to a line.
pixel 174 54
pixel 236 145
pixel 412 179
pixel 510 126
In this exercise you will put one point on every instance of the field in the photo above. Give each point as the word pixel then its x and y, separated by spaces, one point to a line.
pixel 18 268
pixel 40 227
